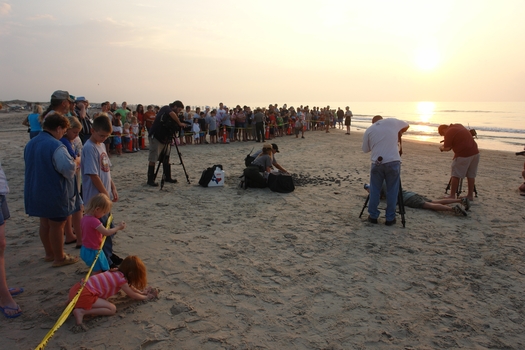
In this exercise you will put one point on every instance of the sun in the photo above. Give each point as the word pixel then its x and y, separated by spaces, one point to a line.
pixel 427 59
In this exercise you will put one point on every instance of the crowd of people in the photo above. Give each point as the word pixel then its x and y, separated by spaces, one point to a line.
pixel 69 147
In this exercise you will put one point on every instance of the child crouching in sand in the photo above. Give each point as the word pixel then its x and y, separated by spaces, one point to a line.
pixel 130 277
pixel 93 230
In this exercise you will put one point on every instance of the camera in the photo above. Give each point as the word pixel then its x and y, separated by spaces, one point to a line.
pixel 522 153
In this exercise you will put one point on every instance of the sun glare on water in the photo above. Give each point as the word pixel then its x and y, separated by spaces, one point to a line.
pixel 425 110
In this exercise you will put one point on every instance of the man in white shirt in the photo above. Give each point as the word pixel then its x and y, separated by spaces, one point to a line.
pixel 381 139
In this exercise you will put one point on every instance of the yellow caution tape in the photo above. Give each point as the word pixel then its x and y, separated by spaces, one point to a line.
pixel 69 308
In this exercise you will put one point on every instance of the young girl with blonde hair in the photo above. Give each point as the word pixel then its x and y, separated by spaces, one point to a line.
pixel 93 231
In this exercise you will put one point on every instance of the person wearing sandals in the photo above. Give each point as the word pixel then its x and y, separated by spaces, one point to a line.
pixel 8 306
pixel 50 192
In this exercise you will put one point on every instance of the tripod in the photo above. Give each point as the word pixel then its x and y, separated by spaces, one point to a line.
pixel 164 157
pixel 400 204
pixel 459 190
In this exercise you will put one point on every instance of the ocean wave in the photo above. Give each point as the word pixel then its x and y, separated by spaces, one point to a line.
pixel 466 111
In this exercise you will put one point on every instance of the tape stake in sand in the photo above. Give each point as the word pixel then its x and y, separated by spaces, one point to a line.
pixel 69 308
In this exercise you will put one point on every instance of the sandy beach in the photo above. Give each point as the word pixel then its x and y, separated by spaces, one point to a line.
pixel 254 269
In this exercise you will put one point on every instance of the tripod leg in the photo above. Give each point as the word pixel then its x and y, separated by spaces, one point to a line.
pixel 460 186
pixel 364 206
pixel 448 186
pixel 401 204
pixel 182 163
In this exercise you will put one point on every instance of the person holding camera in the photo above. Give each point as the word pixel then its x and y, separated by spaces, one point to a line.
pixel 466 156
pixel 382 140
pixel 161 134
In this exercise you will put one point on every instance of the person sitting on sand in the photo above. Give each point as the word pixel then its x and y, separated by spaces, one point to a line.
pixel 130 277
pixel 416 201
pixel 256 174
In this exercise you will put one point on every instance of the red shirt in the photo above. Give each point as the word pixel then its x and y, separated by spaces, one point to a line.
pixel 461 141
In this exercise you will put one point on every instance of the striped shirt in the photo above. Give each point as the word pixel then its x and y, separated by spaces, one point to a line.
pixel 106 284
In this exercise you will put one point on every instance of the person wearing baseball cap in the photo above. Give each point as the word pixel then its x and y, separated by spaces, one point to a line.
pixel 275 149
pixel 60 102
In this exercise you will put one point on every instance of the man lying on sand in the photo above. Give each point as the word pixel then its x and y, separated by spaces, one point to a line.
pixel 414 200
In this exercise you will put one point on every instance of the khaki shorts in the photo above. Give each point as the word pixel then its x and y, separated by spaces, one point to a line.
pixel 155 147
pixel 465 166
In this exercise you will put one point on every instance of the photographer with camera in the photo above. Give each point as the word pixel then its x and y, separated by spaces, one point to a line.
pixel 466 156
pixel 382 140
pixel 162 132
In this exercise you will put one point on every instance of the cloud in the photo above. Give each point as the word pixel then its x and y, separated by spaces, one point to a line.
pixel 5 8
pixel 42 16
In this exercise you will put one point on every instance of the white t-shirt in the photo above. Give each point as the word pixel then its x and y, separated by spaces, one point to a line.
pixel 381 139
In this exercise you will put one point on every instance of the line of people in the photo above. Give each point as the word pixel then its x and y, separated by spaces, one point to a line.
pixel 66 150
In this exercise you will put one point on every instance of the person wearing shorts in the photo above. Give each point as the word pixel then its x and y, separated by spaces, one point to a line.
pixel 416 201
pixel 466 156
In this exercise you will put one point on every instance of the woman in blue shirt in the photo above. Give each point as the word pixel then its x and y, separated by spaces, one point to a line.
pixel 33 122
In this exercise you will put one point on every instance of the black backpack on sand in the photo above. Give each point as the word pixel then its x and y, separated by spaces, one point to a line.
pixel 281 183
pixel 207 175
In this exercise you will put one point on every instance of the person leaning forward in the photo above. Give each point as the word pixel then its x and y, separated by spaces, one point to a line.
pixel 382 140
pixel 466 156
pixel 161 134
pixel 275 149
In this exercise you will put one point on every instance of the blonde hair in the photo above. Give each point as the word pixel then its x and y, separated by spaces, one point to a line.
pixel 37 109
pixel 74 123
pixel 100 201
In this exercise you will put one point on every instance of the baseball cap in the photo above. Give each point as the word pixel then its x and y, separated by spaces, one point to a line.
pixel 274 146
pixel 61 95
pixel 80 98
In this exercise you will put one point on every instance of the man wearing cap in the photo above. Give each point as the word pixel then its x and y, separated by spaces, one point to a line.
pixel 161 134
pixel 275 149
pixel 381 139
pixel 85 119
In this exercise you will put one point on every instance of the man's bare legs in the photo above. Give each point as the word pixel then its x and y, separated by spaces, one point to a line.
pixel 454 184
pixel 522 186
pixel 471 184
pixel 439 205
pixel 6 300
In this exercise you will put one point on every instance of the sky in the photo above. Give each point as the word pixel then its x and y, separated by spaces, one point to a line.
pixel 271 51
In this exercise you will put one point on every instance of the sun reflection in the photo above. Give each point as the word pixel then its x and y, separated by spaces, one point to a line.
pixel 425 109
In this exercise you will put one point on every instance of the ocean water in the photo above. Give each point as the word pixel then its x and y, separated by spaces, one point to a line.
pixel 499 125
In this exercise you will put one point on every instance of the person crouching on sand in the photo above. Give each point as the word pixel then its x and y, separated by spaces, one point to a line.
pixel 130 277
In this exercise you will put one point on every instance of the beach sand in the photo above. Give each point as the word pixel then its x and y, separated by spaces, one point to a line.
pixel 254 269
